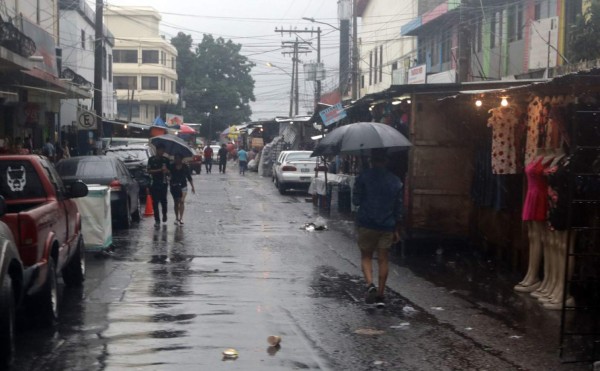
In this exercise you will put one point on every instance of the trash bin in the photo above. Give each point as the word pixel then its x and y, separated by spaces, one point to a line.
pixel 344 198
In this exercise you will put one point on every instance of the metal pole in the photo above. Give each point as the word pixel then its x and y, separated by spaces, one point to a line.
pixel 344 55
pixel 355 58
pixel 297 74
pixel 318 95
pixel 292 88
pixel 98 64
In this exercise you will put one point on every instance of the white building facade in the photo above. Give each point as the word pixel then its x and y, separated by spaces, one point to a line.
pixel 77 35
pixel 385 55
pixel 144 64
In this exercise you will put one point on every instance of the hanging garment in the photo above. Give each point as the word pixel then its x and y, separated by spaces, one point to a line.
pixel 536 200
pixel 558 190
pixel 505 128
pixel 534 115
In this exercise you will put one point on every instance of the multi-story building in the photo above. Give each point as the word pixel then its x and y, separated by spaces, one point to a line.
pixel 468 40
pixel 144 64
pixel 77 39
pixel 385 55
pixel 30 87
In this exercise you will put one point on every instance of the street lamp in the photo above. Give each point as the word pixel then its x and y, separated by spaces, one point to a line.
pixel 269 64
pixel 310 19
pixel 210 124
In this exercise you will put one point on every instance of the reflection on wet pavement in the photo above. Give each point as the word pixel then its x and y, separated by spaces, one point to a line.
pixel 242 270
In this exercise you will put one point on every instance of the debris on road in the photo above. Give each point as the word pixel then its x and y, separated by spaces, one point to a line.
pixel 515 337
pixel 437 308
pixel 369 331
pixel 401 326
pixel 230 354
pixel 318 225
pixel 274 340
pixel 408 310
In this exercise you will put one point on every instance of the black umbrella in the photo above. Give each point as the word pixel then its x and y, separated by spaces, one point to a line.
pixel 360 136
pixel 173 145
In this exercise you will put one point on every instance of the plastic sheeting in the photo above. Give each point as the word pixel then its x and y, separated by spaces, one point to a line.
pixel 96 221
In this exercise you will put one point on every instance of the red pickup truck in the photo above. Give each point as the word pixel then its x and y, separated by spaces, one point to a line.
pixel 46 226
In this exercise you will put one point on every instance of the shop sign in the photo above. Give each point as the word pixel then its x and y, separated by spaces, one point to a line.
pixel 332 114
pixel 86 120
pixel 417 75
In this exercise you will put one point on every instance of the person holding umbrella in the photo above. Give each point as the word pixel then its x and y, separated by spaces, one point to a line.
pixel 378 195
pixel 180 176
pixel 158 168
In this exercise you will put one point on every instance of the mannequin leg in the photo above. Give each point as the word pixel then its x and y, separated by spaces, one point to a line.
pixel 532 281
pixel 558 295
pixel 553 271
pixel 544 289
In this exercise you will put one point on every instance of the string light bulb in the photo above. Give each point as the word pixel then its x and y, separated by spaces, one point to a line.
pixel 504 102
pixel 478 103
pixel 125 126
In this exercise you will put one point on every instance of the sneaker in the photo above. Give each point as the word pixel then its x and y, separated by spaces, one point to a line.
pixel 380 301
pixel 180 222
pixel 371 294
pixel 157 224
pixel 165 218
pixel 176 222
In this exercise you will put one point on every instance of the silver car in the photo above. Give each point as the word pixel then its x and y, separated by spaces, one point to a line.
pixel 294 169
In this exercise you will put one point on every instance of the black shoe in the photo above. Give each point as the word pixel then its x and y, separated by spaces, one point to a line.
pixel 371 294
pixel 165 218
pixel 380 302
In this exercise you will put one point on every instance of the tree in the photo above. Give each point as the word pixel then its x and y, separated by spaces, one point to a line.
pixel 584 40
pixel 214 74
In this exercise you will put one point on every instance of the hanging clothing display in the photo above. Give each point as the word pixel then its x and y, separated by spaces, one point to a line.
pixel 534 116
pixel 558 190
pixel 536 200
pixel 505 123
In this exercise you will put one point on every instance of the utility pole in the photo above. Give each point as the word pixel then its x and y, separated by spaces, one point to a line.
pixel 344 13
pixel 355 56
pixel 297 49
pixel 98 64
pixel 318 81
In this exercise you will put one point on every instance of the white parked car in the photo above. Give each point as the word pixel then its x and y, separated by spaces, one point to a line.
pixel 294 169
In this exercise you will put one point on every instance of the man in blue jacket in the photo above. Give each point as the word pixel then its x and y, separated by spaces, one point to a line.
pixel 378 195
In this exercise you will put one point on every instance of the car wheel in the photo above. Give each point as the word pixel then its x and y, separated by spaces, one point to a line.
pixel 46 303
pixel 137 214
pixel 127 215
pixel 281 187
pixel 7 321
pixel 74 272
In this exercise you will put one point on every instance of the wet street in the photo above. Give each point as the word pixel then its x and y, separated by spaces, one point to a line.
pixel 242 269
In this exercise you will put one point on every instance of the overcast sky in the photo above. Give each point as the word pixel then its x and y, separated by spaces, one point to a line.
pixel 252 23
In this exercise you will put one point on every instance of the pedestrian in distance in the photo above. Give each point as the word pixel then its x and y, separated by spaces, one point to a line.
pixel 378 195
pixel 222 158
pixel 243 160
pixel 158 168
pixel 208 158
pixel 180 176
pixel 48 150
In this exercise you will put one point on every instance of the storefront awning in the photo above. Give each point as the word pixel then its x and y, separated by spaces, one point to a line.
pixel 44 81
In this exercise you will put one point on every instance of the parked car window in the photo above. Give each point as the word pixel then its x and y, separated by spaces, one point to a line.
pixel 85 169
pixel 128 155
pixel 54 179
pixel 19 180
pixel 298 156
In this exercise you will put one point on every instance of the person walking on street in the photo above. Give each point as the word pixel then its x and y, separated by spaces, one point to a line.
pixel 222 157
pixel 158 168
pixel 243 160
pixel 378 195
pixel 180 176
pixel 48 150
pixel 208 158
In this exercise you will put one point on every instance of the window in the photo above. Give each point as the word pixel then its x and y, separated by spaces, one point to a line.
pixel 125 82
pixel 125 56
pixel 537 14
pixel 512 23
pixel 381 63
pixel 174 63
pixel 493 30
pixel 104 64
pixel 394 66
pixel 375 68
pixel 163 84
pixel 446 46
pixel 371 68
pixel 362 81
pixel 149 82
pixel 124 107
pixel 172 87
pixel 520 22
pixel 477 37
pixel 83 39
pixel 110 70
pixel 150 56
pixel 434 50
pixel 163 58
